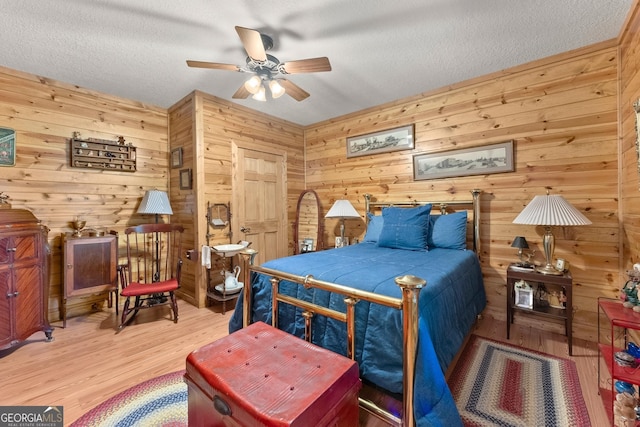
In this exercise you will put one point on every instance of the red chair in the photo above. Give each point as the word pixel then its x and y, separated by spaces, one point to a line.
pixel 152 272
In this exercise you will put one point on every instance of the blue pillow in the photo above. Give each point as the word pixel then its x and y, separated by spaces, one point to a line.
pixel 448 231
pixel 405 228
pixel 373 228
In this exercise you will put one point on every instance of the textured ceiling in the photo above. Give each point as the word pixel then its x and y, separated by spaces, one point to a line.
pixel 380 51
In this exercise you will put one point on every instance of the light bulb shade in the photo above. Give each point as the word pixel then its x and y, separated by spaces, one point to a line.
pixel 276 89
pixel 550 209
pixel 155 202
pixel 260 94
pixel 253 85
pixel 520 242
pixel 342 209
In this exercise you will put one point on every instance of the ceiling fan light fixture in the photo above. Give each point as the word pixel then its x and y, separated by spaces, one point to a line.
pixel 253 85
pixel 260 94
pixel 276 89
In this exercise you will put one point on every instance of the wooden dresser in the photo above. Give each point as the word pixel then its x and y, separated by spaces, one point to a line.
pixel 24 284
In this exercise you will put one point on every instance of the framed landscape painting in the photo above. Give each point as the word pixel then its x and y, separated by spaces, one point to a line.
pixel 381 142
pixel 7 147
pixel 482 160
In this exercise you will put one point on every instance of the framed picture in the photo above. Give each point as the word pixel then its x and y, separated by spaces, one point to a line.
pixel 524 294
pixel 636 108
pixel 341 242
pixel 483 160
pixel 381 142
pixel 306 245
pixel 185 179
pixel 7 147
pixel 176 157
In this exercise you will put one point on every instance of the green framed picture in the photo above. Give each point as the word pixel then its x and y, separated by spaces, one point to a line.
pixel 7 147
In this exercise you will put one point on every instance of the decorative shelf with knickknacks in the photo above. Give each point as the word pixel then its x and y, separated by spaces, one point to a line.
pixel 629 292
pixel 618 328
pixel 93 153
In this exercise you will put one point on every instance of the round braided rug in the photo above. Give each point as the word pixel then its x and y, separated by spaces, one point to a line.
pixel 160 401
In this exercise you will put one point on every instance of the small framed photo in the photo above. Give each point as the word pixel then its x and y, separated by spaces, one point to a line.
pixel 341 242
pixel 306 245
pixel 185 179
pixel 524 297
pixel 176 158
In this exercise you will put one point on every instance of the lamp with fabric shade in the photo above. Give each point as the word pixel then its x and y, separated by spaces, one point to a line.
pixel 342 209
pixel 155 202
pixel 550 210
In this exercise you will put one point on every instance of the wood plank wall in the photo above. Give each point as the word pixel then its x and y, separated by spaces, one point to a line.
pixel 45 113
pixel 629 164
pixel 206 128
pixel 561 113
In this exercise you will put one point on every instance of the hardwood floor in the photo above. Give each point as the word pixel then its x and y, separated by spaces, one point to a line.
pixel 88 363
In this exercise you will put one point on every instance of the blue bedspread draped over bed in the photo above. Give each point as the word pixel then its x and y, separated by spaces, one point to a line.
pixel 448 306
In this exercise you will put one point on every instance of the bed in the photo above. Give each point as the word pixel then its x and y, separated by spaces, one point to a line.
pixel 369 302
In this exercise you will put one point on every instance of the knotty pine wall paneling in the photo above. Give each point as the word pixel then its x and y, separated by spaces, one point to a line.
pixel 561 113
pixel 44 114
pixel 206 127
pixel 629 164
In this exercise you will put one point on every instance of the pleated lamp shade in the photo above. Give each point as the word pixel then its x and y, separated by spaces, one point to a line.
pixel 550 209
pixel 155 202
pixel 342 209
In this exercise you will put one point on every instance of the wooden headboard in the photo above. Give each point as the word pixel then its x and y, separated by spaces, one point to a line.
pixel 444 207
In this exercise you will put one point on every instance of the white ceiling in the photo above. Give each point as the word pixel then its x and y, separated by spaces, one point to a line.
pixel 380 50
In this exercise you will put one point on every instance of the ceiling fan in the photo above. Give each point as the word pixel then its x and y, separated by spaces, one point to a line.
pixel 267 70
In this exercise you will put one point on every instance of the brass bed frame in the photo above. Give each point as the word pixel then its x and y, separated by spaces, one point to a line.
pixel 408 303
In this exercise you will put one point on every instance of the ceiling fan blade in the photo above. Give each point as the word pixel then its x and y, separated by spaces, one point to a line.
pixel 213 65
pixel 241 93
pixel 252 42
pixel 293 90
pixel 312 65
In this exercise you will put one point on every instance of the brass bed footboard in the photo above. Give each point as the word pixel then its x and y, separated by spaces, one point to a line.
pixel 410 286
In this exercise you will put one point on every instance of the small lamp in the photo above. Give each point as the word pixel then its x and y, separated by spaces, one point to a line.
pixel 521 243
pixel 342 209
pixel 550 210
pixel 155 202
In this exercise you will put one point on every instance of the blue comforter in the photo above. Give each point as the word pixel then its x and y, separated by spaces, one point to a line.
pixel 449 303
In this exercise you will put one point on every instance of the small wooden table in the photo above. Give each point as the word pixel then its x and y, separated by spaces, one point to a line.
pixel 538 281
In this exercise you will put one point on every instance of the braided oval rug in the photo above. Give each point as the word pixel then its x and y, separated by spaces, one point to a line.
pixel 497 384
pixel 158 402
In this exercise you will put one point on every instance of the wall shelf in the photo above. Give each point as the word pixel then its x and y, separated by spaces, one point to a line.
pixel 102 154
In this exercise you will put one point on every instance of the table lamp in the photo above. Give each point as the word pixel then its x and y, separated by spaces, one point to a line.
pixel 550 210
pixel 521 243
pixel 342 209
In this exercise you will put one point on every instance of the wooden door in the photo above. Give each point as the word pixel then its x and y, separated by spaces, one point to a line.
pixel 259 208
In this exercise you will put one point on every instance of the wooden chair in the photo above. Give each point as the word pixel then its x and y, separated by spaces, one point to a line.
pixel 152 272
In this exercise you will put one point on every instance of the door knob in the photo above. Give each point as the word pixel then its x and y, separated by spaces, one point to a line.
pixel 245 229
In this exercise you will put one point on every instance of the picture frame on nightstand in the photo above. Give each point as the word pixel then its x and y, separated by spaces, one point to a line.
pixel 524 295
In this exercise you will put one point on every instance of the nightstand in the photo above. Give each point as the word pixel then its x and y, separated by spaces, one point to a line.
pixel 539 283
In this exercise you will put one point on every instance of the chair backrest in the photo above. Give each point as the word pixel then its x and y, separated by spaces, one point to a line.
pixel 154 252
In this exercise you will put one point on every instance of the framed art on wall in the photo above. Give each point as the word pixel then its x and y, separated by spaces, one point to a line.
pixel 7 147
pixel 483 160
pixel 185 179
pixel 381 142
pixel 176 158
